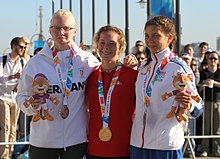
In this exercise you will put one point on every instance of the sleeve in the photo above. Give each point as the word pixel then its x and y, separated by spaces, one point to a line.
pixel 197 106
pixel 25 91
pixel 3 77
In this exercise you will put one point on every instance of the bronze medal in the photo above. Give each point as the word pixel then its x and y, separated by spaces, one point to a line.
pixel 64 112
pixel 105 134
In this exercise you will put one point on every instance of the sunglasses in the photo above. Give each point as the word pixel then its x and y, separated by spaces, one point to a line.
pixel 193 64
pixel 213 58
pixel 140 58
pixel 22 47
pixel 139 45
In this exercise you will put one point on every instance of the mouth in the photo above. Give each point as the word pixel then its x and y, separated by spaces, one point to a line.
pixel 182 85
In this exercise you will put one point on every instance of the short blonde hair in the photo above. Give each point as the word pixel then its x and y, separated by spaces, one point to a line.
pixel 62 12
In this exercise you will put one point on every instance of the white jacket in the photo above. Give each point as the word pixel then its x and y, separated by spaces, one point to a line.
pixel 59 133
pixel 7 86
pixel 160 133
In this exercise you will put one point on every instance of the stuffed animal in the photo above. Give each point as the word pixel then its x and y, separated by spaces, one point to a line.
pixel 40 86
pixel 181 82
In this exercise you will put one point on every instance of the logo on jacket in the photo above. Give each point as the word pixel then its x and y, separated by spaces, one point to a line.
pixel 81 72
pixel 159 77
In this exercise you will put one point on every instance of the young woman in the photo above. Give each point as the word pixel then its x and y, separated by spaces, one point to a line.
pixel 156 133
pixel 111 96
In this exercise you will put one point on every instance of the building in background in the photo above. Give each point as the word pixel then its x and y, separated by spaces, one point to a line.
pixel 218 44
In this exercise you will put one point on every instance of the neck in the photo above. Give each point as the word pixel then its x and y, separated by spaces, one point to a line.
pixel 108 66
pixel 62 47
pixel 212 68
pixel 14 56
pixel 200 54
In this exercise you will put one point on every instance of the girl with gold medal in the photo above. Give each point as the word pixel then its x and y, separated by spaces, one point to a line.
pixel 111 96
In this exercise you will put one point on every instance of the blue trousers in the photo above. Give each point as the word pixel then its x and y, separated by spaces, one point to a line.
pixel 142 153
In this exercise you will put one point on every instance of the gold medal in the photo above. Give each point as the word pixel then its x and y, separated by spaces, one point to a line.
pixel 105 134
pixel 147 100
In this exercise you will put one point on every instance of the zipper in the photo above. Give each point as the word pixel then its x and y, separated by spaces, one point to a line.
pixel 145 115
pixel 64 144
pixel 143 131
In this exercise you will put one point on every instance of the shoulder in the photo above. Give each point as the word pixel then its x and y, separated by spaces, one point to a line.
pixel 180 64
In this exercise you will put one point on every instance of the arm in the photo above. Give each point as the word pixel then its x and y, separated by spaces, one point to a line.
pixel 194 108
pixel 130 61
pixel 54 100
pixel 166 95
pixel 216 84
pixel 25 92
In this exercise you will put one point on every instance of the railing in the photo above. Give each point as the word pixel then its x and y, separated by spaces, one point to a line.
pixel 203 135
pixel 187 136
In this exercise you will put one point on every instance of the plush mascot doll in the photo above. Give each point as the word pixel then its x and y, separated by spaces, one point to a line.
pixel 181 82
pixel 40 86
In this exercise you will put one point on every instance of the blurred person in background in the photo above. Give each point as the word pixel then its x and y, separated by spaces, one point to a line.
pixel 139 47
pixel 28 44
pixel 211 78
pixel 204 63
pixel 194 67
pixel 203 46
pixel 10 71
pixel 187 58
pixel 37 50
pixel 188 49
pixel 141 56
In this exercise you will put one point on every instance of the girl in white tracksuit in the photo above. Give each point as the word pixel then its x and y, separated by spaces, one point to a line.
pixel 61 131
pixel 154 135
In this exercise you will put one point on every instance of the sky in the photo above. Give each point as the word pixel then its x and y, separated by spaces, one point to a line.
pixel 199 20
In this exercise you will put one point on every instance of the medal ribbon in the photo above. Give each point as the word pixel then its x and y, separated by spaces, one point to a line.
pixel 105 106
pixel 66 85
pixel 147 88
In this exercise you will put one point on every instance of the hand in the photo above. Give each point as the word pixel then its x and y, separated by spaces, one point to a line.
pixel 130 61
pixel 36 103
pixel 17 75
pixel 15 89
pixel 184 99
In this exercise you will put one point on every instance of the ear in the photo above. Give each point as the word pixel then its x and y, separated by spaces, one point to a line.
pixel 170 38
pixel 50 30
pixel 75 30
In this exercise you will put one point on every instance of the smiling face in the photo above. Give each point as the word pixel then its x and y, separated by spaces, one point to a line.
pixel 181 81
pixel 40 85
pixel 156 40
pixel 159 34
pixel 108 46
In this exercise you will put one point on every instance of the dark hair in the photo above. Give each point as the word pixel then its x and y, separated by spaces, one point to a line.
pixel 37 50
pixel 16 41
pixel 164 24
pixel 203 43
pixel 139 41
pixel 186 46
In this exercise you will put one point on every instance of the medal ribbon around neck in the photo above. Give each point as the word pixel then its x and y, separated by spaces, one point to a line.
pixel 147 88
pixel 65 85
pixel 105 106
